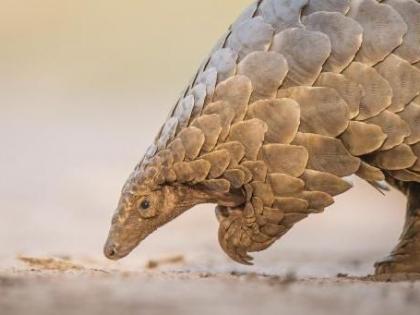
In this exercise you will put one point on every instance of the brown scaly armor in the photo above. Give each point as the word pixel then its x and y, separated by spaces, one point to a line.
pixel 295 97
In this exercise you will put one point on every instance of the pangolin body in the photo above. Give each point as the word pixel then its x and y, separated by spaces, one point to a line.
pixel 294 98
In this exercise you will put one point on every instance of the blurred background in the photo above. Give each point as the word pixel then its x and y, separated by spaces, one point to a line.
pixel 84 87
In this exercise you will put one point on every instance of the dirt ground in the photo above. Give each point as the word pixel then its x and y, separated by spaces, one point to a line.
pixel 80 289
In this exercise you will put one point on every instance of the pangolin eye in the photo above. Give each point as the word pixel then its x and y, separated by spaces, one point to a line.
pixel 145 209
pixel 145 204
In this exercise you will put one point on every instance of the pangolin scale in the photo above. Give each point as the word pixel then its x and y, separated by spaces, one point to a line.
pixel 294 98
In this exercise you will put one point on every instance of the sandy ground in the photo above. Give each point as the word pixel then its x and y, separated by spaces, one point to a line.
pixel 179 290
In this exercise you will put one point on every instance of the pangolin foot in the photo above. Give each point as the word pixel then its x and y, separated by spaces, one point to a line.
pixel 398 268
pixel 243 231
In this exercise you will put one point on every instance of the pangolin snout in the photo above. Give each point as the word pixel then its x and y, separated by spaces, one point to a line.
pixel 115 252
pixel 118 245
pixel 110 251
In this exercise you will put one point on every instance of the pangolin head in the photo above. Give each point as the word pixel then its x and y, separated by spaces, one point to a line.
pixel 138 214
pixel 145 205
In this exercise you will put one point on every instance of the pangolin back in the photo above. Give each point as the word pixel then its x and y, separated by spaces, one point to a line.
pixel 296 96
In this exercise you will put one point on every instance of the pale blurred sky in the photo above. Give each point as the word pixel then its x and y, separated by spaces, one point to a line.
pixel 120 46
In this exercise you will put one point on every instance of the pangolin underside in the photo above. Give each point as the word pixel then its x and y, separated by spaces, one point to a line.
pixel 295 97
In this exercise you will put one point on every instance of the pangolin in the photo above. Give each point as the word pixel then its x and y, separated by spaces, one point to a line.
pixel 297 96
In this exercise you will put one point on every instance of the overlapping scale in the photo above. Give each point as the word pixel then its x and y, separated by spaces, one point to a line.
pixel 226 115
pixel 326 182
pixel 258 169
pixel 250 36
pixel 236 177
pixel 345 35
pixel 291 204
pixel 383 27
pixel 411 115
pixel 211 127
pixel 377 91
pixel 192 140
pixel 284 158
pixel 250 134
pixel 209 79
pixel 264 192
pixel 224 61
pixel 246 15
pixel 167 133
pixel 236 151
pixel 405 175
pixel 322 110
pixel 285 185
pixel 393 126
pixel 183 111
pixel 327 154
pixel 266 70
pixel 398 158
pixel 200 93
pixel 341 6
pixel 282 14
pixel 177 149
pixel 305 52
pixel 282 117
pixel 410 12
pixel 349 90
pixel 361 138
pixel 236 92
pixel 219 161
pixel 317 200
pixel 194 171
pixel 216 185
pixel 370 173
pixel 403 78
pixel 416 151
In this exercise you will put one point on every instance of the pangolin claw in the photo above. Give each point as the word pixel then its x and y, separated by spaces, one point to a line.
pixel 233 248
pixel 239 233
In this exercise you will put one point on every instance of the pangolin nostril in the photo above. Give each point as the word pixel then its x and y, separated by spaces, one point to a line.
pixel 110 252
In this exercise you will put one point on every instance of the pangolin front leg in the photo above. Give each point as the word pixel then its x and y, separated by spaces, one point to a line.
pixel 405 258
pixel 253 227
pixel 245 230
